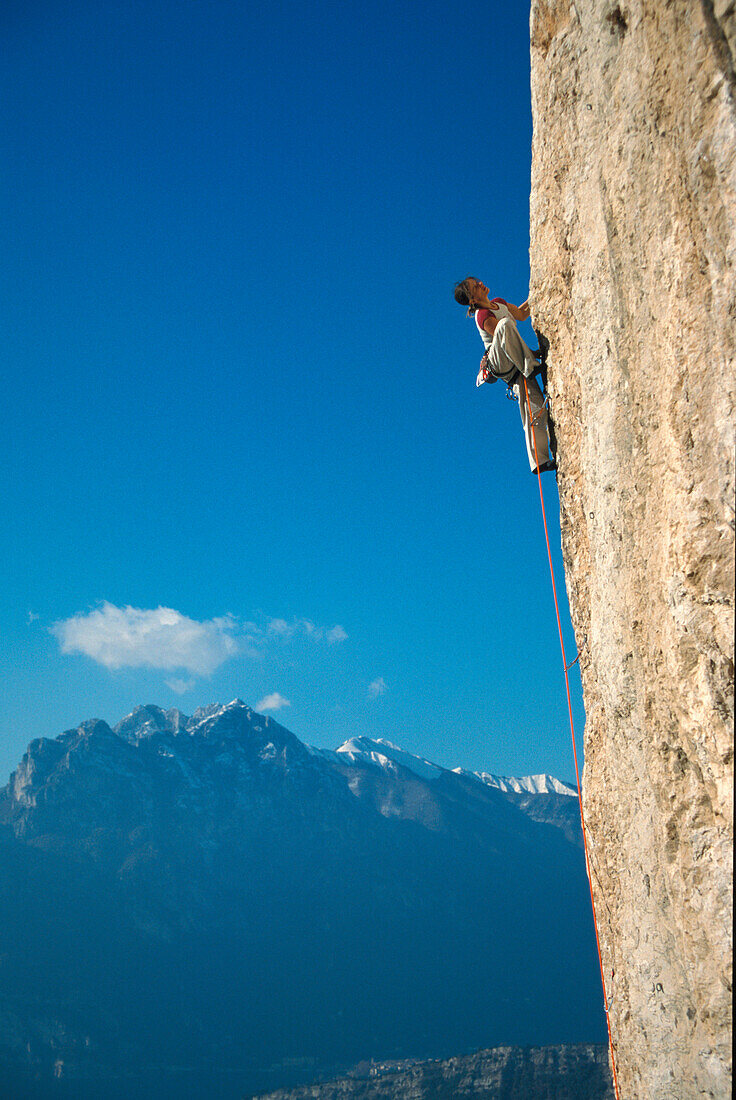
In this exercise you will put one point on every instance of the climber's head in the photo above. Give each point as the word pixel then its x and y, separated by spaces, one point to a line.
pixel 471 292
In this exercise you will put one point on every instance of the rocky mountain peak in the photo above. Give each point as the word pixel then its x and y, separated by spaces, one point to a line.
pixel 247 875
pixel 145 721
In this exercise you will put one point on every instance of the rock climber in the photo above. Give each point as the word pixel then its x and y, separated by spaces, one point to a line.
pixel 507 357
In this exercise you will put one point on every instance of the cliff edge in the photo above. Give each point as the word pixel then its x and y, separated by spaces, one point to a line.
pixel 632 249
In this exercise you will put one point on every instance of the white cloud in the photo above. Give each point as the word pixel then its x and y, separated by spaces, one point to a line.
pixel 377 687
pixel 132 637
pixel 163 638
pixel 274 701
pixel 307 629
pixel 281 627
pixel 180 686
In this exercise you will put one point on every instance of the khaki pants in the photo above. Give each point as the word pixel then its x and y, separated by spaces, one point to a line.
pixel 507 354
pixel 534 419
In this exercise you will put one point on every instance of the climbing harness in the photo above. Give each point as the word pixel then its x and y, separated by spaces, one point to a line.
pixel 486 374
pixel 606 1002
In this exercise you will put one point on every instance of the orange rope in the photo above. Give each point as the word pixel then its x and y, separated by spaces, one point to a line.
pixel 574 748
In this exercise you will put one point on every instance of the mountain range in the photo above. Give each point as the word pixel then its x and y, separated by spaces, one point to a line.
pixel 208 906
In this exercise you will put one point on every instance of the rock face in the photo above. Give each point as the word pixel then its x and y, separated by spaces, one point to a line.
pixel 575 1072
pixel 632 246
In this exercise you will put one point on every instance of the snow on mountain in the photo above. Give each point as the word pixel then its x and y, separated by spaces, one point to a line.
pixel 527 784
pixel 147 721
pixel 383 754
pixel 221 716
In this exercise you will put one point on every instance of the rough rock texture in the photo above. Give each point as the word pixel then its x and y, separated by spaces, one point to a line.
pixel 632 217
pixel 575 1072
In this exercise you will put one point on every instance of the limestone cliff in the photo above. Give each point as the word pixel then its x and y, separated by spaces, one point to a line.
pixel 632 249
pixel 575 1072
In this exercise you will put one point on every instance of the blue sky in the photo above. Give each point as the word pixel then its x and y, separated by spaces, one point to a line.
pixel 237 387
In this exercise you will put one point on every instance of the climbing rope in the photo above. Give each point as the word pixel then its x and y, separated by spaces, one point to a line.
pixel 606 1002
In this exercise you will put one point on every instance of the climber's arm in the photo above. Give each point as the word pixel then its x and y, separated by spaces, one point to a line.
pixel 519 313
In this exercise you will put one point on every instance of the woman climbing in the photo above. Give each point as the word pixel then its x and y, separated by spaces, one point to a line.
pixel 507 357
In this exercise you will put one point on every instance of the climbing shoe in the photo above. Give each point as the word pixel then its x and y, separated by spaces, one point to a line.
pixel 552 434
pixel 545 466
pixel 543 348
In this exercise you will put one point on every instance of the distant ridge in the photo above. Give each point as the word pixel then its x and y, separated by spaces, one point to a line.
pixel 574 1072
pixel 527 784
pixel 178 893
pixel 382 753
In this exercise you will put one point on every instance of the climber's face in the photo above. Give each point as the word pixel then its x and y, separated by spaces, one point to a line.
pixel 478 289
